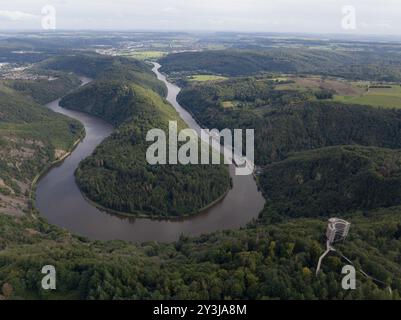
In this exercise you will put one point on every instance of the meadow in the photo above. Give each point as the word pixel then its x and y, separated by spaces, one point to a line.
pixel 302 83
pixel 384 95
pixel 206 77
pixel 387 97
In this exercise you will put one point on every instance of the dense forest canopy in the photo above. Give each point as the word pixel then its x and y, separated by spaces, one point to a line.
pixel 333 181
pixel 346 63
pixel 274 261
pixel 107 68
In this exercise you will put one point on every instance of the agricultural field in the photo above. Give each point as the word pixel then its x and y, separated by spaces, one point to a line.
pixel 352 92
pixel 341 87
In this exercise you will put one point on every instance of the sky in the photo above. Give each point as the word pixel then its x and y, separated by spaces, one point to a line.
pixel 306 16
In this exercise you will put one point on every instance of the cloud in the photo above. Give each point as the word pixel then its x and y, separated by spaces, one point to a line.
pixel 16 15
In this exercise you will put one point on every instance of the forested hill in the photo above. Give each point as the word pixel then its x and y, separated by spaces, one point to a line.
pixel 102 67
pixel 31 137
pixel 332 181
pixel 347 64
pixel 315 125
pixel 287 122
pixel 118 176
pixel 112 100
pixel 273 261
pixel 44 90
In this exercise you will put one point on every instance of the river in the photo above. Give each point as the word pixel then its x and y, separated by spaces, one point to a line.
pixel 60 201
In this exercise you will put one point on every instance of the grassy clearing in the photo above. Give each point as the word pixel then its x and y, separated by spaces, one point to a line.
pixel 384 97
pixel 316 83
pixel 206 77
pixel 228 104
pixel 352 92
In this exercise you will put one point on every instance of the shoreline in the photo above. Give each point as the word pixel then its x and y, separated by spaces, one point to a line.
pixel 50 166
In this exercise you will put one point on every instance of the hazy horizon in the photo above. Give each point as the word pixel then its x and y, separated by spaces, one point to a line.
pixel 285 16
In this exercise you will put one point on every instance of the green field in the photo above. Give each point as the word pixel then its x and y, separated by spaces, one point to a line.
pixel 382 97
pixel 206 77
pixel 356 92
